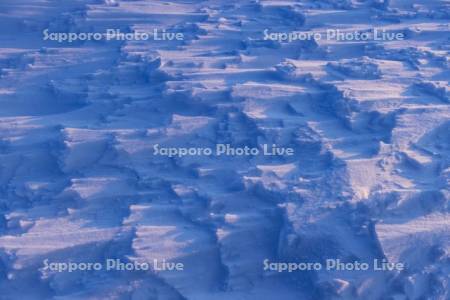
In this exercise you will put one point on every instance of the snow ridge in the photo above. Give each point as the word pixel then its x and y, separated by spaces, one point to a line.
pixel 369 123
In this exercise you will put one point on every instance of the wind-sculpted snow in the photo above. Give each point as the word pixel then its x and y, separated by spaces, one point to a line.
pixel 368 121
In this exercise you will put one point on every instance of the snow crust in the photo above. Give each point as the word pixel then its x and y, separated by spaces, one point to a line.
pixel 369 122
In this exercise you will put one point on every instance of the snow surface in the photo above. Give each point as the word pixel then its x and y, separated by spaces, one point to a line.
pixel 369 122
